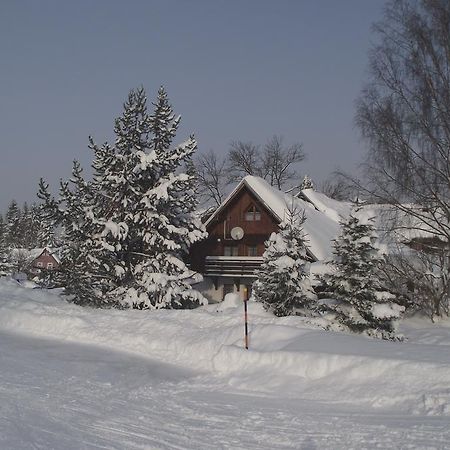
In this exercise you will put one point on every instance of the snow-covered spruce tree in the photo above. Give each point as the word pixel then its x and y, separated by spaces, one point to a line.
pixel 78 271
pixel 145 217
pixel 283 283
pixel 5 264
pixel 357 297
pixel 306 183
pixel 28 227
pixel 43 227
pixel 13 225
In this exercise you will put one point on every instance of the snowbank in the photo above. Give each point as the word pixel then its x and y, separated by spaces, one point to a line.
pixel 286 357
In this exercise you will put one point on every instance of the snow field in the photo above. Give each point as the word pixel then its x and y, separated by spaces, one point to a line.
pixel 56 394
pixel 287 357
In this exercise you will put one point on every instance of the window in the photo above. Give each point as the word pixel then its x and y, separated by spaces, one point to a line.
pixel 252 250
pixel 230 250
pixel 252 214
pixel 49 265
pixel 39 264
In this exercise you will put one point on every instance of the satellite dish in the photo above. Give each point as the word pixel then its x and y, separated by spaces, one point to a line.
pixel 237 233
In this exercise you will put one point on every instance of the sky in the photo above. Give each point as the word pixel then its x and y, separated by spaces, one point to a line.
pixel 234 70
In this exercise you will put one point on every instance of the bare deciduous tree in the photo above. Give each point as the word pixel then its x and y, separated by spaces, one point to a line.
pixel 244 159
pixel 212 175
pixel 404 114
pixel 275 162
pixel 416 278
pixel 278 161
pixel 339 187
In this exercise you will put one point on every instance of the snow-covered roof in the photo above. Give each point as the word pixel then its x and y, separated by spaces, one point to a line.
pixel 55 252
pixel 319 227
pixel 23 253
pixel 334 209
pixel 407 227
pixel 34 253
pixel 324 216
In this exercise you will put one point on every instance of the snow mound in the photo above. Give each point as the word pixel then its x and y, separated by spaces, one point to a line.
pixel 435 404
pixel 231 300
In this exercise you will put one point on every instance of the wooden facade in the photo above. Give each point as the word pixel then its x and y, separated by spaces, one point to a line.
pixel 244 210
pixel 46 260
pixel 225 260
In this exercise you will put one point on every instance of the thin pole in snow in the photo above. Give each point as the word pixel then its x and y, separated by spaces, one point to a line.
pixel 246 316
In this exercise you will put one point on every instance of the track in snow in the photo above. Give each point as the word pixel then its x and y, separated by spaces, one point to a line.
pixel 55 394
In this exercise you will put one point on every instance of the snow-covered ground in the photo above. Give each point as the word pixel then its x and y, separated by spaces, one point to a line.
pixel 73 377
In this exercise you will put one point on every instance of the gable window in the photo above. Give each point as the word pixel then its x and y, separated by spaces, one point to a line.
pixel 230 250
pixel 49 265
pixel 252 214
pixel 39 264
pixel 252 250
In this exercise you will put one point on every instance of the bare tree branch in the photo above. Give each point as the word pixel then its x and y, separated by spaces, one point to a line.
pixel 212 177
pixel 339 187
pixel 275 162
pixel 404 114
pixel 244 159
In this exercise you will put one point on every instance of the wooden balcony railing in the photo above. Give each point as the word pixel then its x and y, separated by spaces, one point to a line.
pixel 232 266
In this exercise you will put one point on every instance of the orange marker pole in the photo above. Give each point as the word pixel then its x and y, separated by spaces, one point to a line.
pixel 246 317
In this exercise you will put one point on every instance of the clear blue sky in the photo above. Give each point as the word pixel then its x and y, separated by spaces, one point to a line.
pixel 234 70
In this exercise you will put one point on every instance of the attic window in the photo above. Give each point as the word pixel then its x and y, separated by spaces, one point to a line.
pixel 49 265
pixel 252 214
pixel 39 264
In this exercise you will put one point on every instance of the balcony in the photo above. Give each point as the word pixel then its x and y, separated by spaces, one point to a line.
pixel 232 266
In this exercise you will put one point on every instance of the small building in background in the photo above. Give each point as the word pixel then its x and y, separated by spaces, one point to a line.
pixel 45 259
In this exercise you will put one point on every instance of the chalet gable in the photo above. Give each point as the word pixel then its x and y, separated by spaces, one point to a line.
pixel 258 202
pixel 274 205
pixel 245 208
pixel 46 259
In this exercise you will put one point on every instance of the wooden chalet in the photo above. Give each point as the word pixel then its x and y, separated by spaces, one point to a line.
pixel 238 230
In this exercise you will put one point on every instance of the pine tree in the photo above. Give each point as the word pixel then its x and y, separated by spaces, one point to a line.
pixel 283 284
pixel 358 298
pixel 77 272
pixel 43 226
pixel 5 263
pixel 129 231
pixel 32 227
pixel 13 225
pixel 23 227
pixel 146 237
pixel 28 227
